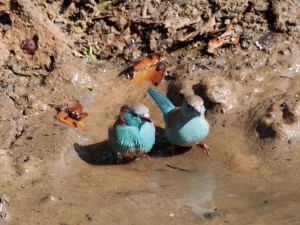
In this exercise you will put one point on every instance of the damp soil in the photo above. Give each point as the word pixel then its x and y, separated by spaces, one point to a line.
pixel 53 52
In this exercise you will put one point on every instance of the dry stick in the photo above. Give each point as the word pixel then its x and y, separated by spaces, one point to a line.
pixel 177 168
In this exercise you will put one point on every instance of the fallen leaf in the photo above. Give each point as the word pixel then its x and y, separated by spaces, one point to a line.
pixel 90 87
pixel 80 27
pixel 228 37
pixel 63 116
pixel 151 68
pixel 77 54
pixel 169 17
pixel 76 112
pixel 80 126
pixel 104 4
pixel 30 46
pixel 125 35
pixel 207 27
pixel 72 115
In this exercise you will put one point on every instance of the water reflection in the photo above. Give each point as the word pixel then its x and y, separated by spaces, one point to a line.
pixel 193 183
pixel 209 191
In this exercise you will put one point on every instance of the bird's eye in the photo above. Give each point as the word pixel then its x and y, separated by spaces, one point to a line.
pixel 134 114
pixel 189 106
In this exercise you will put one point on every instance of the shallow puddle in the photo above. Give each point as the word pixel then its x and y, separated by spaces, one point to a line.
pixel 198 184
pixel 209 191
pixel 81 184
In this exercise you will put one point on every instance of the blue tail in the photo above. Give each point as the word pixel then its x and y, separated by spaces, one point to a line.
pixel 161 101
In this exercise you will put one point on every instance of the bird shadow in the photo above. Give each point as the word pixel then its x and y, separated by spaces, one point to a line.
pixel 101 154
pixel 96 154
pixel 162 148
pixel 127 71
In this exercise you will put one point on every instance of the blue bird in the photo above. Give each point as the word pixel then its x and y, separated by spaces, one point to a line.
pixel 185 126
pixel 133 133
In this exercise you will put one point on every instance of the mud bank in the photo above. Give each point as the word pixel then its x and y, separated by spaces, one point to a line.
pixel 55 174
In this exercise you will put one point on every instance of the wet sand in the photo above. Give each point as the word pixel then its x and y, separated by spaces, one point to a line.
pixel 55 174
pixel 71 182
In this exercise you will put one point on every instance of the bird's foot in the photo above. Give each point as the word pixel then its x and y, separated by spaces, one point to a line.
pixel 119 161
pixel 119 158
pixel 205 148
pixel 148 158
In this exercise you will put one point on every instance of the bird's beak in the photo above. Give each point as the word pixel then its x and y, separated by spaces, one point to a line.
pixel 146 117
pixel 197 109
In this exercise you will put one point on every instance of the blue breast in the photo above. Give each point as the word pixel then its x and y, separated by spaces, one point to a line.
pixel 130 138
pixel 189 133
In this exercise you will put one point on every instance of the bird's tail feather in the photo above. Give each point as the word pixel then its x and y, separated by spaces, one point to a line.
pixel 161 101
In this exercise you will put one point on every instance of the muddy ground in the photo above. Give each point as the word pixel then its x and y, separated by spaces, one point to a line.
pixel 52 173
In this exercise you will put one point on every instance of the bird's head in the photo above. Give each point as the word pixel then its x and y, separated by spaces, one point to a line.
pixel 192 106
pixel 134 114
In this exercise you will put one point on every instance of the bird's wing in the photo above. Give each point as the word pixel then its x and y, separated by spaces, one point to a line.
pixel 161 101
pixel 112 131
pixel 174 120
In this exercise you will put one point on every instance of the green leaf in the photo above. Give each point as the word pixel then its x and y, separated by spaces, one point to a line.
pixel 90 87
pixel 104 4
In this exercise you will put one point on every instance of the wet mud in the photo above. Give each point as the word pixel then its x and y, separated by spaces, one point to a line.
pixel 53 173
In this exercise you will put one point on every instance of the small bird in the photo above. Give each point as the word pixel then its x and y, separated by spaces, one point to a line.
pixel 133 133
pixel 185 125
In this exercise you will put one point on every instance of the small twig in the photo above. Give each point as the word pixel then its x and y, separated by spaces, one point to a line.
pixel 286 77
pixel 177 168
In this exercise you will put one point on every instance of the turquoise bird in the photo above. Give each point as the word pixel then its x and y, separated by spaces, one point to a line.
pixel 185 126
pixel 133 133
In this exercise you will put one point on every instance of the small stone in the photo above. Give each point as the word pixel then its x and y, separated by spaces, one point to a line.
pixel 3 215
pixel 89 217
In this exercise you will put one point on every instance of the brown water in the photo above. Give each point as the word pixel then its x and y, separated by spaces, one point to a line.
pixel 168 196
pixel 55 174
pixel 79 185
